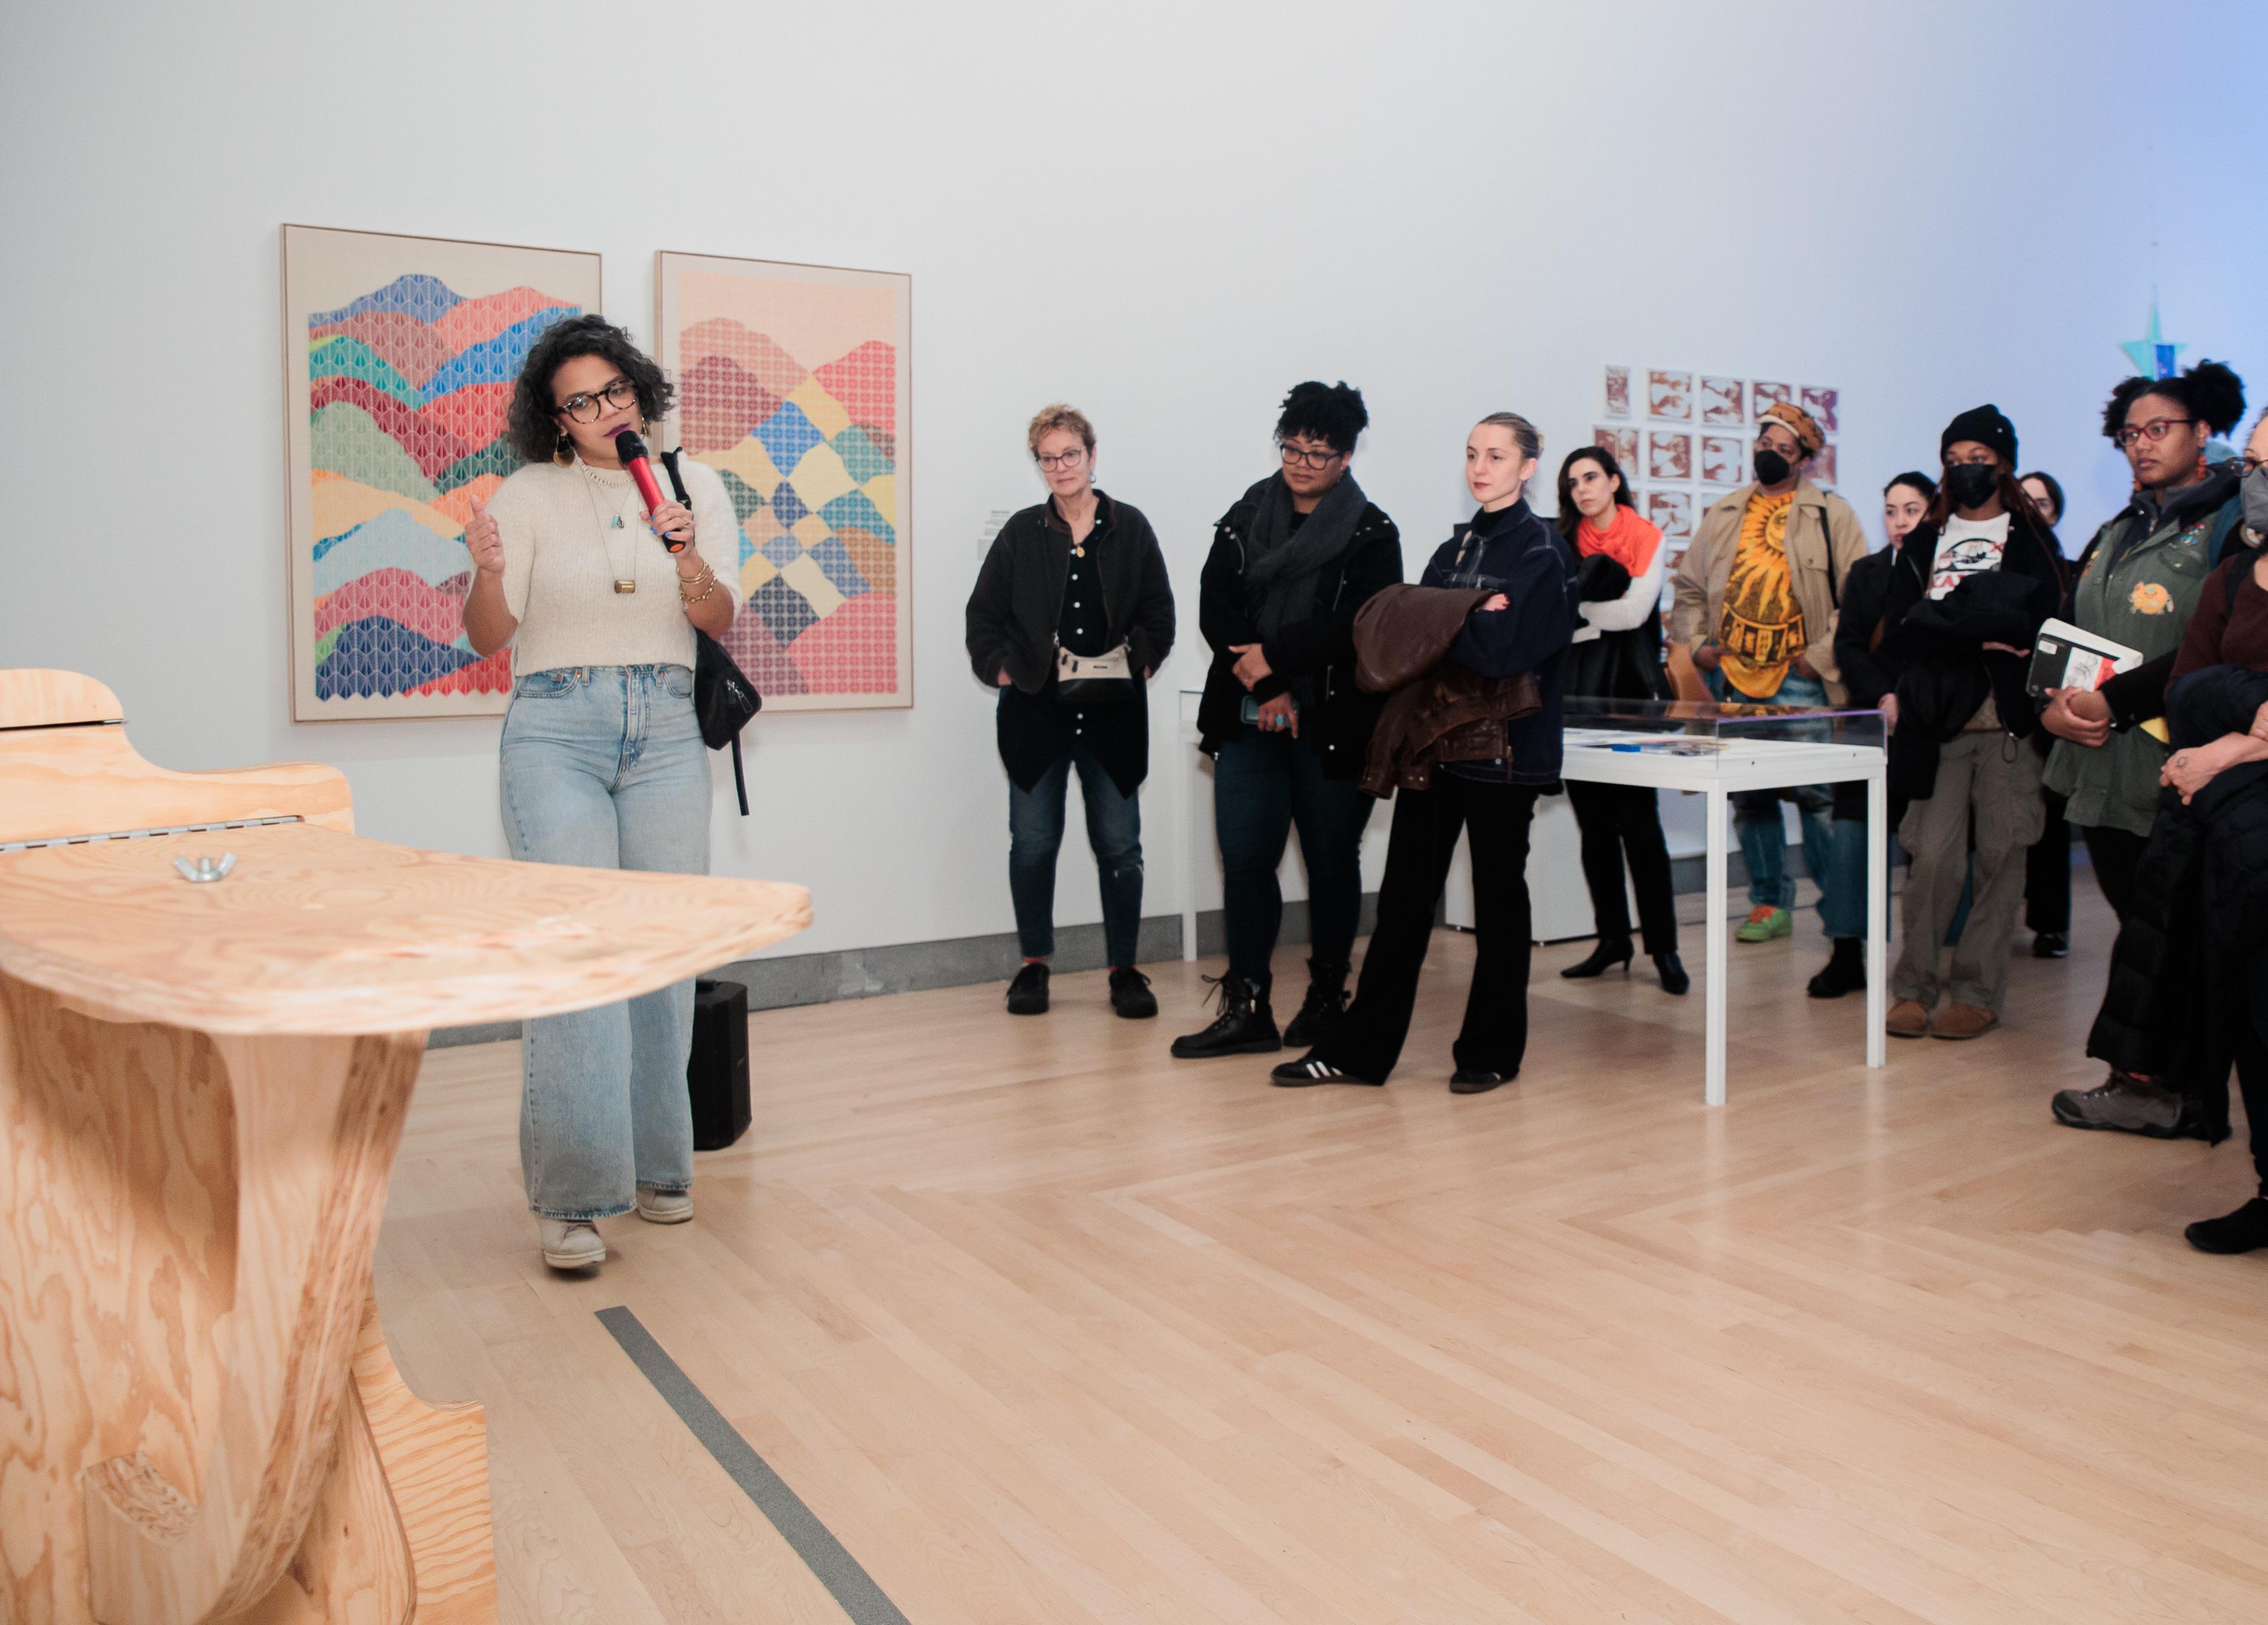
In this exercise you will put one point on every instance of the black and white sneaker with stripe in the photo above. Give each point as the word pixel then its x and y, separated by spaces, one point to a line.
pixel 1310 1072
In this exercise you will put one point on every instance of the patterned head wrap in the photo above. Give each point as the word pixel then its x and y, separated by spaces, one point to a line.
pixel 1799 424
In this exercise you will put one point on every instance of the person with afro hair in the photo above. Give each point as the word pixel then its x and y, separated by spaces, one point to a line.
pixel 2138 583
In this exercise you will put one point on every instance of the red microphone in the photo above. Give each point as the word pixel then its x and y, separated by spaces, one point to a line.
pixel 631 450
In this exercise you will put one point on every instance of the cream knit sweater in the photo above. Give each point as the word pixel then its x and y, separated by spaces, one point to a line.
pixel 562 556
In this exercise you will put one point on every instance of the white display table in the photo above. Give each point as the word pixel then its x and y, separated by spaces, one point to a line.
pixel 1716 767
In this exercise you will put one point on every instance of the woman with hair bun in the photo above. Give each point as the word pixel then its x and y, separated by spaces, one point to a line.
pixel 1505 652
pixel 601 759
pixel 2138 583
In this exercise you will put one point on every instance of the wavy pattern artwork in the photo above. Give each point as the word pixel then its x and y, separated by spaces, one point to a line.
pixel 408 387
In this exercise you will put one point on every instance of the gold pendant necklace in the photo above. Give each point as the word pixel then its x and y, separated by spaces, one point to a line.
pixel 623 583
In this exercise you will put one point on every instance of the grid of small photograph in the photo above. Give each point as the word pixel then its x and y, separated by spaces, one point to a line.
pixel 1684 440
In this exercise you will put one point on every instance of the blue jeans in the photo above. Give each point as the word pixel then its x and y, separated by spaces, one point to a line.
pixel 1834 849
pixel 603 767
pixel 1262 784
pixel 1036 832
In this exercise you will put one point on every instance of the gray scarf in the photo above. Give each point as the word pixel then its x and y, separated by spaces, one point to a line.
pixel 1280 566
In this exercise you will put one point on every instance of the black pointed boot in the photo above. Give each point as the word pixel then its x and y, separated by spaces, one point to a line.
pixel 1245 1026
pixel 1325 1003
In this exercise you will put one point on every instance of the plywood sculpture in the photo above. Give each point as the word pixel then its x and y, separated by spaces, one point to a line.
pixel 202 1086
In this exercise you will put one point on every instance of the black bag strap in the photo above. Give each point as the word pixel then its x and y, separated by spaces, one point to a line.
pixel 1826 534
pixel 685 500
pixel 676 480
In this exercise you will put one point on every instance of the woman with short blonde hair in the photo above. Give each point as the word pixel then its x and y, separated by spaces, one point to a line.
pixel 1071 613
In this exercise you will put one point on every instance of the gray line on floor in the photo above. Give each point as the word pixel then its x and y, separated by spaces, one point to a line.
pixel 822 1553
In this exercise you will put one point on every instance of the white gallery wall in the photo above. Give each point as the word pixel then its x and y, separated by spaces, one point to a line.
pixel 1166 213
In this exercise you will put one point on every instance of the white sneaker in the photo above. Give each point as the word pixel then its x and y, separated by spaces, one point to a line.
pixel 570 1243
pixel 664 1207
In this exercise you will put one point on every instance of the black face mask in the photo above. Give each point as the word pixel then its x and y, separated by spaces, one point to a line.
pixel 1772 468
pixel 1972 485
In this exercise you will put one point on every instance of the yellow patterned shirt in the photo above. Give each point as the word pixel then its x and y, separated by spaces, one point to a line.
pixel 1762 630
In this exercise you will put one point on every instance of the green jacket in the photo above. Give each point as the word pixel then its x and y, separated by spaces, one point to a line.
pixel 2141 594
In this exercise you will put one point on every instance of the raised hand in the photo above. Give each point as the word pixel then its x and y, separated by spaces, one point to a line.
pixel 484 540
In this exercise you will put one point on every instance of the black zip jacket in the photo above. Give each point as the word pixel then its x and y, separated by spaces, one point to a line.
pixel 1528 561
pixel 1320 646
pixel 2032 556
pixel 1017 603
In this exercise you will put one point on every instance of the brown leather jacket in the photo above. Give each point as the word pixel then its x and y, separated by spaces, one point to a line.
pixel 1437 712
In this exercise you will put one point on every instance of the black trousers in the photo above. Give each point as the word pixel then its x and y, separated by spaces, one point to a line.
pixel 2116 855
pixel 1497 818
pixel 2252 1079
pixel 1624 822
pixel 2047 871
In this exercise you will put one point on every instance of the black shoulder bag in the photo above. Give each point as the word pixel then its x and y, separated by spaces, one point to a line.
pixel 724 699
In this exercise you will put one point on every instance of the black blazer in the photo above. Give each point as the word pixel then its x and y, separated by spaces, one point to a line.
pixel 1017 603
pixel 1321 645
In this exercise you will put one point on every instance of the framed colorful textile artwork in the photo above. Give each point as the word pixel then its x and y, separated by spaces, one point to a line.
pixel 794 383
pixel 400 355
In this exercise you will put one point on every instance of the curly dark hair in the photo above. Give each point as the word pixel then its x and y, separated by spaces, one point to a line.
pixel 1331 413
pixel 2210 392
pixel 533 423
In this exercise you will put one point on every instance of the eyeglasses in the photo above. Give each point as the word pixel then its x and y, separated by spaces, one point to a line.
pixel 2151 432
pixel 2248 465
pixel 587 408
pixel 1070 459
pixel 1295 457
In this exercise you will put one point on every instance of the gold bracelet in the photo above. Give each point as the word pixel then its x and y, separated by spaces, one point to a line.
pixel 704 580
pixel 697 597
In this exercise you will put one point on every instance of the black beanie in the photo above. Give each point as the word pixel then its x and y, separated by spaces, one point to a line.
pixel 1987 425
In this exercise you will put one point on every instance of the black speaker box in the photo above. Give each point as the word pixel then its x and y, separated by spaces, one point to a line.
pixel 718 1074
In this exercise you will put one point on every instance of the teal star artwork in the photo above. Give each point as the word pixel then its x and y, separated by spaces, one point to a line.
pixel 2150 355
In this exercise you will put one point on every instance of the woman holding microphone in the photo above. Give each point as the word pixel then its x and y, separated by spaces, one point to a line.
pixel 602 762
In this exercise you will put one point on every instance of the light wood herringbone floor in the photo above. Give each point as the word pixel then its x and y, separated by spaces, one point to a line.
pixel 1048 1327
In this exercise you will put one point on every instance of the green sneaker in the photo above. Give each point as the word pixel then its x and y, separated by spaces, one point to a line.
pixel 1763 923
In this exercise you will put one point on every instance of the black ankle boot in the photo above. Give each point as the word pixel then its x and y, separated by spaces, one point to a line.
pixel 2243 1231
pixel 1672 971
pixel 1325 1003
pixel 1245 1026
pixel 1845 971
pixel 1610 952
